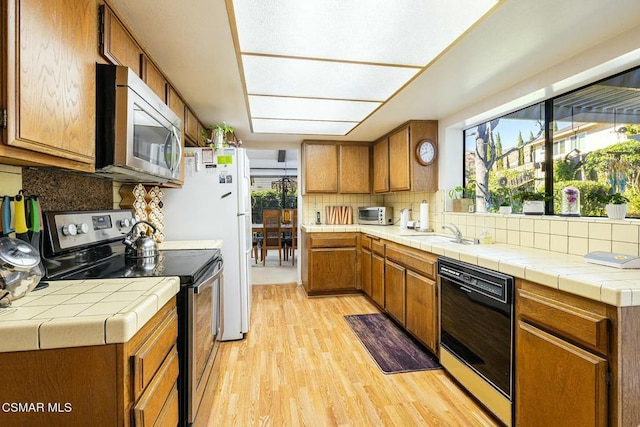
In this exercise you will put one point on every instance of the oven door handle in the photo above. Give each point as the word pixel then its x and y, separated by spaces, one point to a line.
pixel 208 282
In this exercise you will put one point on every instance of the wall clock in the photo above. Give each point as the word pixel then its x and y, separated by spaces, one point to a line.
pixel 426 152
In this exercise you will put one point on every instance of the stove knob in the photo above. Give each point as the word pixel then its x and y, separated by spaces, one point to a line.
pixel 82 228
pixel 69 230
pixel 125 222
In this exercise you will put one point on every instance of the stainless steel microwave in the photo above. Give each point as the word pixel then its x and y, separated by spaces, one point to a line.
pixel 137 135
pixel 375 215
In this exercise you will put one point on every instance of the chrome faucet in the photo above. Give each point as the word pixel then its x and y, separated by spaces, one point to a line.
pixel 455 230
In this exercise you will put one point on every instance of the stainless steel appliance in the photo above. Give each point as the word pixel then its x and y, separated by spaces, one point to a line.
pixel 137 135
pixel 88 245
pixel 375 215
pixel 476 332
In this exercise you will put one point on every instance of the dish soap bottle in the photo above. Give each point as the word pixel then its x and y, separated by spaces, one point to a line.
pixel 485 237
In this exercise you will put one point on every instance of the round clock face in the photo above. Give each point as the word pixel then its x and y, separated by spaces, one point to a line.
pixel 426 152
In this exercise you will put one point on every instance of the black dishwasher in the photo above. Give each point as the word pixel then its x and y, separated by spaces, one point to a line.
pixel 476 332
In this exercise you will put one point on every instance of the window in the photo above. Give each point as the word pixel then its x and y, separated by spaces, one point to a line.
pixel 593 137
pixel 503 156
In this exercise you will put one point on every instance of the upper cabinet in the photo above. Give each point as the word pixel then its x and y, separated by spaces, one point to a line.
pixel 192 129
pixel 153 78
pixel 336 168
pixel 396 163
pixel 355 169
pixel 48 89
pixel 381 165
pixel 117 44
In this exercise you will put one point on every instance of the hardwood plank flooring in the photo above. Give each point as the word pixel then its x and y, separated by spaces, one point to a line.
pixel 301 365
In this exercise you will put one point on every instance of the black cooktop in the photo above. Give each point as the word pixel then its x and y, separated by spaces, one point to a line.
pixel 109 262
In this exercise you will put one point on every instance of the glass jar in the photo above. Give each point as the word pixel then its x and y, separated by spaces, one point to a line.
pixel 570 201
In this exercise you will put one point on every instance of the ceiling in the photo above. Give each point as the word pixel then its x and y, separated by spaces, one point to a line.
pixel 192 43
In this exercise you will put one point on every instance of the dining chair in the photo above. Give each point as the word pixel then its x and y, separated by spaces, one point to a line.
pixel 257 245
pixel 271 233
pixel 290 239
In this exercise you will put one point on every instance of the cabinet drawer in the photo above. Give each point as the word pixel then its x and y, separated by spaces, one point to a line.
pixel 152 403
pixel 365 241
pixel 169 415
pixel 413 260
pixel 333 240
pixel 149 356
pixel 580 325
pixel 377 246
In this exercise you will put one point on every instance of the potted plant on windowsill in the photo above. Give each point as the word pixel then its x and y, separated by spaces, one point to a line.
pixel 615 204
pixel 504 208
pixel 532 202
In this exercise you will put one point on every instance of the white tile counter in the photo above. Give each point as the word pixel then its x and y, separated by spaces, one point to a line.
pixel 569 273
pixel 73 313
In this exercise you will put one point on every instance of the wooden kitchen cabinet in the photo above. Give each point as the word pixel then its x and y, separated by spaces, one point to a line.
pixel 377 274
pixel 400 160
pixel 563 351
pixel 381 166
pixel 154 78
pixel 128 384
pixel 48 89
pixel 355 170
pixel 395 167
pixel 365 264
pixel 394 290
pixel 117 44
pixel 320 168
pixel 422 309
pixel 336 168
pixel 191 128
pixel 330 264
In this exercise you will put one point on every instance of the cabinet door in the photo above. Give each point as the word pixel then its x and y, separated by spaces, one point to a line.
pixel 51 80
pixel 381 166
pixel 154 78
pixel 365 274
pixel 556 380
pixel 190 128
pixel 333 269
pixel 399 161
pixel 377 279
pixel 422 309
pixel 354 169
pixel 118 45
pixel 320 168
pixel 394 290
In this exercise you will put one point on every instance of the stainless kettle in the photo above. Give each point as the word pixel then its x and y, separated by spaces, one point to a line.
pixel 140 246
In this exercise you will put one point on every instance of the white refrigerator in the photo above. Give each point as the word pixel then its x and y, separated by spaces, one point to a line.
pixel 215 203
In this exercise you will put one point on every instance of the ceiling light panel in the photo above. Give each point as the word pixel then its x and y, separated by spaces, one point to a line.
pixel 406 32
pixel 266 75
pixel 310 109
pixel 301 127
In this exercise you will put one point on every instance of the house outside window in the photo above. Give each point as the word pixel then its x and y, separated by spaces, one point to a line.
pixel 593 135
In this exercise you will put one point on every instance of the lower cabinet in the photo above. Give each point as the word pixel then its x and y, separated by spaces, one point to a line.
pixel 394 290
pixel 421 312
pixel 330 264
pixel 365 272
pixel 563 348
pixel 377 279
pixel 128 384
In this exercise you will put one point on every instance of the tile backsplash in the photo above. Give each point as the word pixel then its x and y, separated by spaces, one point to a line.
pixel 576 236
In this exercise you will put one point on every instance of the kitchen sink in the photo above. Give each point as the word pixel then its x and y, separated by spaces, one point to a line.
pixel 432 238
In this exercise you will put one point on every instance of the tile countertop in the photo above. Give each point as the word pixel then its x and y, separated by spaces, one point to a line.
pixel 74 313
pixel 569 273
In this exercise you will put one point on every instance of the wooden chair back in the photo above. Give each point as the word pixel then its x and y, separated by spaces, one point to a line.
pixel 272 232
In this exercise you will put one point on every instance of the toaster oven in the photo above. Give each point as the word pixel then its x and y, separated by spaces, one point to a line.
pixel 375 215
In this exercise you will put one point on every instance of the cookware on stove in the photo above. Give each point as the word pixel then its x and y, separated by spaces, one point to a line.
pixel 20 269
pixel 141 246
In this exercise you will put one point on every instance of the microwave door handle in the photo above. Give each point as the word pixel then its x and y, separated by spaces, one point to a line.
pixel 179 144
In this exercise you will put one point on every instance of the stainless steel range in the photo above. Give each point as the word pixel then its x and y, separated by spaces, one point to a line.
pixel 89 245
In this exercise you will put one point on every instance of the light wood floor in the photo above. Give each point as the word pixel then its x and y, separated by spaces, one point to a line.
pixel 301 365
